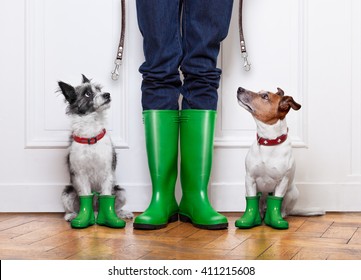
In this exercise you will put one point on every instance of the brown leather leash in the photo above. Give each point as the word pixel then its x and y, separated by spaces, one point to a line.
pixel 246 64
pixel 119 57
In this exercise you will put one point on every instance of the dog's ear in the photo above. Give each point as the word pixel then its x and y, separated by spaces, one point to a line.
pixel 287 102
pixel 85 79
pixel 280 92
pixel 68 92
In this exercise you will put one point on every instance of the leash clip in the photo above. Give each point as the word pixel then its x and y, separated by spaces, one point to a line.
pixel 115 73
pixel 246 64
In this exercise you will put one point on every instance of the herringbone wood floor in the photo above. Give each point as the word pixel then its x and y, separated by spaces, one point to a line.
pixel 48 236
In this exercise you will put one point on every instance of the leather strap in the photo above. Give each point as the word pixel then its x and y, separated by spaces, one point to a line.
pixel 90 141
pixel 272 142
pixel 119 56
pixel 246 64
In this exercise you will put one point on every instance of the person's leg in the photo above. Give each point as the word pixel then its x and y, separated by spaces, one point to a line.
pixel 159 23
pixel 161 136
pixel 196 141
pixel 205 24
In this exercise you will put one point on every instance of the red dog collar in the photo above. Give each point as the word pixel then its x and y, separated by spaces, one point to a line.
pixel 90 141
pixel 272 142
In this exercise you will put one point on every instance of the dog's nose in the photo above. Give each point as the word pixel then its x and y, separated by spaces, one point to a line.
pixel 241 89
pixel 106 95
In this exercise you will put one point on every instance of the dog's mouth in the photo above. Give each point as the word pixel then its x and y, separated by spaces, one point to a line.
pixel 106 104
pixel 243 99
pixel 243 104
pixel 107 99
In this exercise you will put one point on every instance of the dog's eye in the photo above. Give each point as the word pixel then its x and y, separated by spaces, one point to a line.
pixel 264 96
pixel 88 94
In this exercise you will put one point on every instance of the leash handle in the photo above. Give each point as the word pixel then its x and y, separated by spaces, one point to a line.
pixel 119 56
pixel 244 54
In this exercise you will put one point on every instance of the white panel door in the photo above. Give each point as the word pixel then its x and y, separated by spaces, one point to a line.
pixel 310 51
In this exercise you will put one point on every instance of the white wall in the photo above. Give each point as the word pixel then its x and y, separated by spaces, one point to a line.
pixel 311 49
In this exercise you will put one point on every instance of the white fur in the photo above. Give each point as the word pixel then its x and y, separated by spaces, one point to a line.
pixel 271 169
pixel 93 163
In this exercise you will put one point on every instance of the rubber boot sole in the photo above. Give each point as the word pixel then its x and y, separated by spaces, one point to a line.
pixel 186 219
pixel 172 219
pixel 248 226
pixel 77 226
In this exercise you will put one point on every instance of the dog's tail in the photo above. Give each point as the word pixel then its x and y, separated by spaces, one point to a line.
pixel 311 211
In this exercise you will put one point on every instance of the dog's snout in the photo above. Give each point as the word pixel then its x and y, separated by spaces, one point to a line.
pixel 241 89
pixel 106 95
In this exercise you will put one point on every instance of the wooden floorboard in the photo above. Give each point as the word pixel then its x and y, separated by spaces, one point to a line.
pixel 334 236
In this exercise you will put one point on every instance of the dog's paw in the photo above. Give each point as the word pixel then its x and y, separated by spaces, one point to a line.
pixel 124 214
pixel 69 216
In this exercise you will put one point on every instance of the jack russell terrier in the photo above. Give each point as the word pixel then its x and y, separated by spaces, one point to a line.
pixel 270 166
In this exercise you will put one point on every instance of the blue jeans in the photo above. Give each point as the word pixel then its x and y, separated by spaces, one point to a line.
pixel 185 35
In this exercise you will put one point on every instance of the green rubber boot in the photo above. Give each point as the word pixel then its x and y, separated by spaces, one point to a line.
pixel 273 217
pixel 85 216
pixel 161 136
pixel 251 216
pixel 106 212
pixel 196 141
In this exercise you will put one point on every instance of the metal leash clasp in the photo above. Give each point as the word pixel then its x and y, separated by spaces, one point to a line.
pixel 115 73
pixel 246 64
